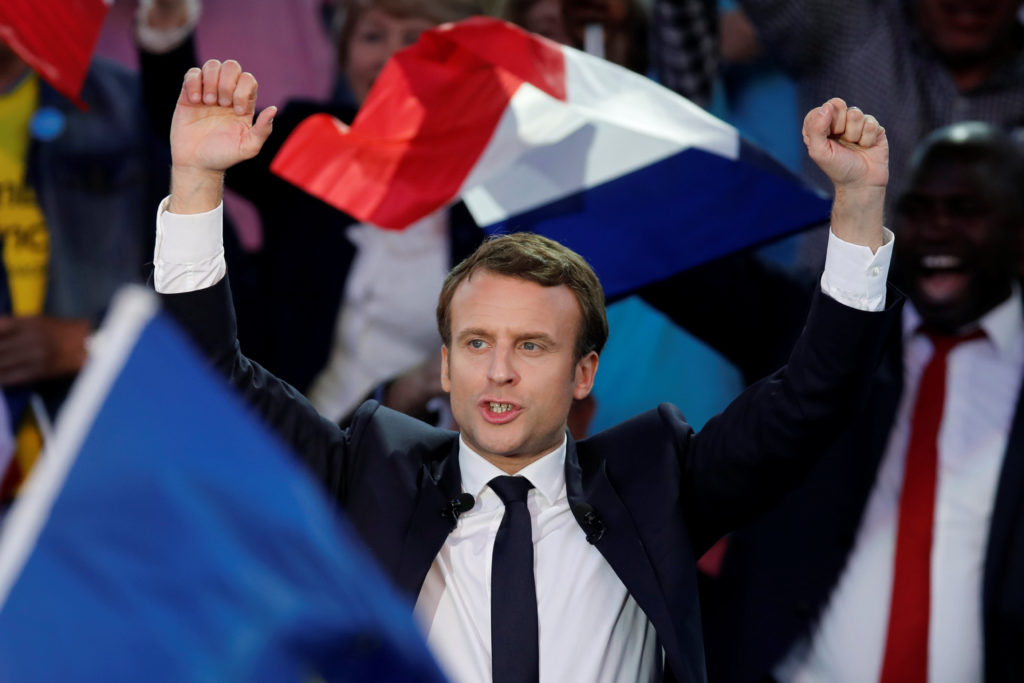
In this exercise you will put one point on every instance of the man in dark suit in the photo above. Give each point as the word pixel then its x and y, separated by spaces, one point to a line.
pixel 818 589
pixel 605 530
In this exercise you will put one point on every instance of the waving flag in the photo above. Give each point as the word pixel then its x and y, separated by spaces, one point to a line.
pixel 166 536
pixel 56 38
pixel 537 136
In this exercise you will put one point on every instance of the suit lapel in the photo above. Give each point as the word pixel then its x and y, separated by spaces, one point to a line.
pixel 431 521
pixel 609 527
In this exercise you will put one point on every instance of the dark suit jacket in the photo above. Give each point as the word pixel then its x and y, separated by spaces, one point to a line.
pixel 779 571
pixel 650 494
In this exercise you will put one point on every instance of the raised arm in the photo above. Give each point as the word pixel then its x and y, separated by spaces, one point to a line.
pixel 851 148
pixel 212 130
pixel 747 457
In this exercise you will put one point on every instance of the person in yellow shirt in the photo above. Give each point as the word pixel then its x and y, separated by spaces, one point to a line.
pixel 74 186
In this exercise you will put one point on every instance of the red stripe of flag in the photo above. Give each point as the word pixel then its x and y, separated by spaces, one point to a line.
pixel 427 120
pixel 55 38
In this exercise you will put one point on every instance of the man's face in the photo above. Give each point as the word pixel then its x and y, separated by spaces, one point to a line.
pixel 965 29
pixel 376 36
pixel 958 242
pixel 510 369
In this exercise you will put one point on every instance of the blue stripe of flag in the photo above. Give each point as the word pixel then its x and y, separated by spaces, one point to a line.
pixel 683 211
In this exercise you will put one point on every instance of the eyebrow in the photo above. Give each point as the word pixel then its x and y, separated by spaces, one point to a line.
pixel 542 337
pixel 473 332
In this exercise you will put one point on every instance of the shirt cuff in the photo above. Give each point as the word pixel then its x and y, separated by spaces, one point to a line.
pixel 854 276
pixel 160 41
pixel 189 253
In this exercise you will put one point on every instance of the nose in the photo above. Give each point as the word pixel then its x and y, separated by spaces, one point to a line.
pixel 932 220
pixel 942 226
pixel 502 368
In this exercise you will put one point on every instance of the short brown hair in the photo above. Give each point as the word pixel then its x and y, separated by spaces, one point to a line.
pixel 534 258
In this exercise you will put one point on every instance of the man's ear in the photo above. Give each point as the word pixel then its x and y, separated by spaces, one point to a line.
pixel 446 381
pixel 586 370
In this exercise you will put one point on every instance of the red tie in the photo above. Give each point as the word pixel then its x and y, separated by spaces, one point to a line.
pixel 906 647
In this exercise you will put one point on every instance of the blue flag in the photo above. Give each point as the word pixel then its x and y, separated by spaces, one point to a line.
pixel 166 535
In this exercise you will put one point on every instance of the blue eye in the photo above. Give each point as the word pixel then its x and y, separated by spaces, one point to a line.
pixel 476 343
pixel 530 346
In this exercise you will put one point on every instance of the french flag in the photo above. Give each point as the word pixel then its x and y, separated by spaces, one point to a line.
pixel 56 39
pixel 537 136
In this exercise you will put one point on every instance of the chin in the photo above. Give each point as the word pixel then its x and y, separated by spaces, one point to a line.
pixel 937 302
pixel 505 445
pixel 943 316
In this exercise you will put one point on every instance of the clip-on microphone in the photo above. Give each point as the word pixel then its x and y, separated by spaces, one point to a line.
pixel 463 502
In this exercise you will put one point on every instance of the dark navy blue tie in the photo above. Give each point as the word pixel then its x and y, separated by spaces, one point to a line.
pixel 514 638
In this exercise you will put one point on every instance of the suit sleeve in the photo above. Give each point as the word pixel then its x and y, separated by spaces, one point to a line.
pixel 208 318
pixel 747 457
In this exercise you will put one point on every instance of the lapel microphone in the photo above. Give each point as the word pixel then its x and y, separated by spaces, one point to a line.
pixel 590 521
pixel 463 502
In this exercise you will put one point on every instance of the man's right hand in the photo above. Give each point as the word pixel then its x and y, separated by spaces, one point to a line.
pixel 211 131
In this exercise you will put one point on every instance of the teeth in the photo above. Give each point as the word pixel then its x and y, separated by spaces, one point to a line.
pixel 500 407
pixel 939 261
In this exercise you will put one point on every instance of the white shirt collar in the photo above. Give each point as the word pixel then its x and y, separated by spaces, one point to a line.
pixel 1003 325
pixel 547 474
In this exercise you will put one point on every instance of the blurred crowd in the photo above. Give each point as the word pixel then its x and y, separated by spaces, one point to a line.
pixel 344 311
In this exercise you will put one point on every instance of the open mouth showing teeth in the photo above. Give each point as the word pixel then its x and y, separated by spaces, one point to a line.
pixel 499 407
pixel 940 262
pixel 941 277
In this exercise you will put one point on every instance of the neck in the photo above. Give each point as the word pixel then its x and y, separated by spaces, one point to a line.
pixel 509 464
pixel 512 464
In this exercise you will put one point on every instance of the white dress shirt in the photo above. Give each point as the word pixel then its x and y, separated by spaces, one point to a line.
pixel 591 629
pixel 982 385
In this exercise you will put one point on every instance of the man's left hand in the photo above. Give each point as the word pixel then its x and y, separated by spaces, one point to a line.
pixel 851 148
pixel 849 145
